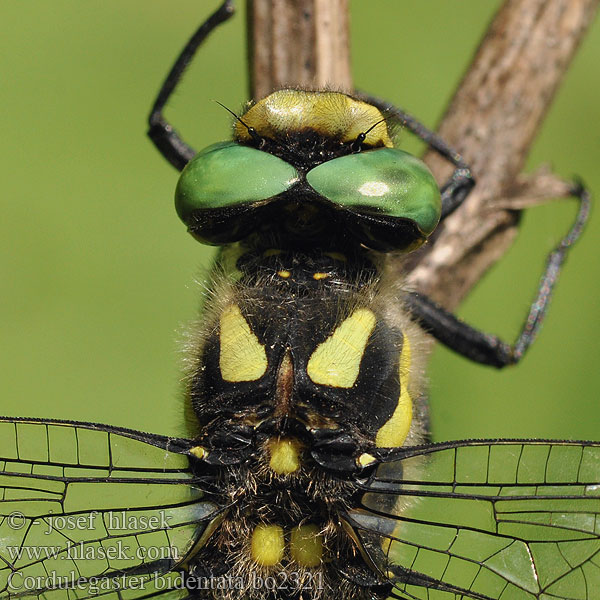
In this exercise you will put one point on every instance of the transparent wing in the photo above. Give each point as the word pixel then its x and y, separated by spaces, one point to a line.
pixel 84 506
pixel 490 519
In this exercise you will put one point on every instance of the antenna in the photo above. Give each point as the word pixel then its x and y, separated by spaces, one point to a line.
pixel 260 141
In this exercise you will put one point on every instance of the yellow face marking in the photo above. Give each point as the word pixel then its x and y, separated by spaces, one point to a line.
pixel 394 432
pixel 336 362
pixel 306 546
pixel 284 274
pixel 267 545
pixel 242 357
pixel 319 276
pixel 284 455
pixel 330 114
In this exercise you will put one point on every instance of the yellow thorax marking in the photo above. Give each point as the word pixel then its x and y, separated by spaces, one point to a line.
pixel 228 259
pixel 242 357
pixel 283 273
pixel 336 362
pixel 394 432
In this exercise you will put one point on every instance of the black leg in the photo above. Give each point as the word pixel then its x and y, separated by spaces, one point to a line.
pixel 457 188
pixel 488 349
pixel 165 138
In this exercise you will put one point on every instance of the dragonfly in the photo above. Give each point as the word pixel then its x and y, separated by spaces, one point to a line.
pixel 310 472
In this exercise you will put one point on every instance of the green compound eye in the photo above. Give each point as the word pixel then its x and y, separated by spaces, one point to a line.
pixel 391 195
pixel 218 186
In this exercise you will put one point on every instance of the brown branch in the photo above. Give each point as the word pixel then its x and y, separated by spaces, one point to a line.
pixel 298 43
pixel 492 119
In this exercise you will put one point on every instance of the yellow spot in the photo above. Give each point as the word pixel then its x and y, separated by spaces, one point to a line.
pixel 267 545
pixel 306 546
pixel 284 455
pixel 336 362
pixel 394 432
pixel 242 357
pixel 319 276
pixel 330 114
pixel 229 259
pixel 366 459
pixel 284 274
pixel 199 452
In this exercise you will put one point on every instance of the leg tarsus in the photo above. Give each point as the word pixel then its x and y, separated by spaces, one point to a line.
pixel 489 349
pixel 548 280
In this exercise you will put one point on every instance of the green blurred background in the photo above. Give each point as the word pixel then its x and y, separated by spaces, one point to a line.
pixel 97 272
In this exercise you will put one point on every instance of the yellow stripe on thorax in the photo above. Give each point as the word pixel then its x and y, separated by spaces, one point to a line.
pixel 336 362
pixel 394 431
pixel 242 357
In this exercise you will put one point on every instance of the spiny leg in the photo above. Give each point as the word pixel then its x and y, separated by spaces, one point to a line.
pixel 165 138
pixel 489 349
pixel 460 183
